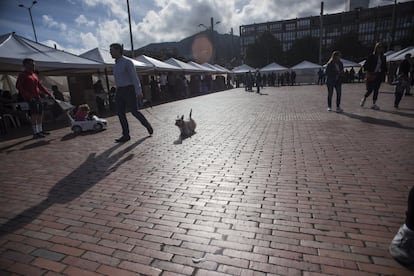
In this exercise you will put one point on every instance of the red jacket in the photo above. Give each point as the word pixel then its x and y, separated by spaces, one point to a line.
pixel 29 86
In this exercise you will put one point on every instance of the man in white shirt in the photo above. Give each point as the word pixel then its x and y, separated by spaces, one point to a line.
pixel 127 91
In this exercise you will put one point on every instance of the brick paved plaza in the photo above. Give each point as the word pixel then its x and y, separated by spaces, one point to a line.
pixel 271 184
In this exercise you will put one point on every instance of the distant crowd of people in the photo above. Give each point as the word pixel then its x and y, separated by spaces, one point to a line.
pixel 258 79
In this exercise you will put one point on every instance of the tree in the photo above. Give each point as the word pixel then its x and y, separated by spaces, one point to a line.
pixel 350 47
pixel 267 49
pixel 306 48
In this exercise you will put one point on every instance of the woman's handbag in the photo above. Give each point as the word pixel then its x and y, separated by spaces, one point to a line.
pixel 371 76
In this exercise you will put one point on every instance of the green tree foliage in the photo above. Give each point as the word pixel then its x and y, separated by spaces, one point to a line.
pixel 350 47
pixel 267 49
pixel 306 48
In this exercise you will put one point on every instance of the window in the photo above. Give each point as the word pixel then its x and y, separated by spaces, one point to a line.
pixel 290 26
pixel 276 27
pixel 261 28
pixel 303 23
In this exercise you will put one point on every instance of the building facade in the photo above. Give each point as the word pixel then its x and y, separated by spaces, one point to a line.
pixel 371 25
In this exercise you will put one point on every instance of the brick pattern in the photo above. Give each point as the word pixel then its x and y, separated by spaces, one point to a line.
pixel 270 185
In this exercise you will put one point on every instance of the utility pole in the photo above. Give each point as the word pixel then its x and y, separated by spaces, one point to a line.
pixel 320 34
pixel 130 30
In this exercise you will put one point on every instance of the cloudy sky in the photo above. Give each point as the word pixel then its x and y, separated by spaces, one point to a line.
pixel 80 25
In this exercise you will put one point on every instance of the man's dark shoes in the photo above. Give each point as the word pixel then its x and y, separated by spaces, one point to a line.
pixel 123 139
pixel 38 135
pixel 45 132
pixel 150 130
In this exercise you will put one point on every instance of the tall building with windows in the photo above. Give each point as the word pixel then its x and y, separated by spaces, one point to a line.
pixel 391 24
pixel 351 5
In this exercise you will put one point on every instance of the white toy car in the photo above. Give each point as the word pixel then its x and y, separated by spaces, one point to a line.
pixel 94 123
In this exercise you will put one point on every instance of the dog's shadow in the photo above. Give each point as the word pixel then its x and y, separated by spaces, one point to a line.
pixel 181 138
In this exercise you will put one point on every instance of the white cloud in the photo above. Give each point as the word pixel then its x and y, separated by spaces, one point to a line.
pixel 51 23
pixel 173 20
pixel 89 40
pixel 82 21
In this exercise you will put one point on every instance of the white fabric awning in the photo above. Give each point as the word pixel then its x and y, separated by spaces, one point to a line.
pixel 156 64
pixel 186 67
pixel 244 68
pixel 104 56
pixel 14 48
pixel 273 67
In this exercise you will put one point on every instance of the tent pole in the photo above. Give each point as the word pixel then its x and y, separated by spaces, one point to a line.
pixel 107 80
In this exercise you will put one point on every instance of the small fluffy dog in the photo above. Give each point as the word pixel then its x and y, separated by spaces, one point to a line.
pixel 187 128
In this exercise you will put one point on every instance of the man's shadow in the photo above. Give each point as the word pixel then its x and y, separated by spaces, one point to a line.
pixel 376 121
pixel 398 112
pixel 96 167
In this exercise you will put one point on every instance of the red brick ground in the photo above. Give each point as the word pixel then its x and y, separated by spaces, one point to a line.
pixel 270 185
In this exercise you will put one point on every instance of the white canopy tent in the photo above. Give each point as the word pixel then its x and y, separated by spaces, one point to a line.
pixel 186 67
pixel 306 72
pixel 157 65
pixel 218 70
pixel 273 67
pixel 244 68
pixel 14 48
pixel 104 56
pixel 206 70
pixel 225 70
pixel 400 55
pixel 347 63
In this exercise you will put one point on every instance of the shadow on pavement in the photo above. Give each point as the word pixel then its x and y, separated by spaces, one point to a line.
pixel 5 148
pixel 376 121
pixel 36 144
pixel 97 167
pixel 72 135
pixel 408 115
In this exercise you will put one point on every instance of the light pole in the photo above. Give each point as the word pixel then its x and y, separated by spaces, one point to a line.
pixel 211 28
pixel 130 31
pixel 393 24
pixel 31 18
pixel 320 34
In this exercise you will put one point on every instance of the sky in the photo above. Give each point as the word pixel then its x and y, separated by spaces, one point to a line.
pixel 78 26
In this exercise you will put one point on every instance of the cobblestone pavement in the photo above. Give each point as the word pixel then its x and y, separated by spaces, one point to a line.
pixel 270 184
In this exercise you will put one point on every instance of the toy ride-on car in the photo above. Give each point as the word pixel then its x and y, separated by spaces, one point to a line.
pixel 93 123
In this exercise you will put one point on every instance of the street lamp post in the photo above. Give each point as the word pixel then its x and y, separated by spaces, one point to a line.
pixel 211 28
pixel 130 31
pixel 320 34
pixel 31 18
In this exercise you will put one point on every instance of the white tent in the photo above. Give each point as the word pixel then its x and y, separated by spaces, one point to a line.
pixel 186 67
pixel 225 70
pixel 349 63
pixel 14 48
pixel 400 55
pixel 244 68
pixel 306 72
pixel 273 67
pixel 157 65
pixel 218 70
pixel 103 56
pixel 205 69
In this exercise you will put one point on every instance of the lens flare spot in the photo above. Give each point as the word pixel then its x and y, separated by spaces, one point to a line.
pixel 202 49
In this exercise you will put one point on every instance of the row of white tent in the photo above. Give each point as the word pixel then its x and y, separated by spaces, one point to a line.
pixel 14 48
pixel 50 61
